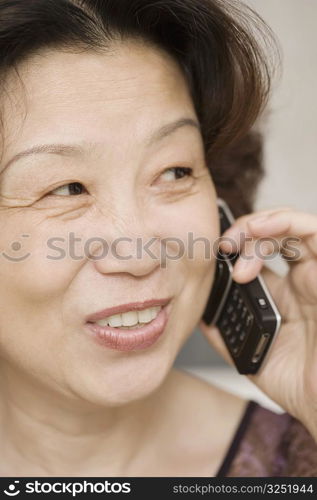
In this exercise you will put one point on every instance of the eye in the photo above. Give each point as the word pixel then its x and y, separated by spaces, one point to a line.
pixel 178 172
pixel 72 188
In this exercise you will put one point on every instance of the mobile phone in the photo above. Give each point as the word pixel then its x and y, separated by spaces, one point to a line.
pixel 245 314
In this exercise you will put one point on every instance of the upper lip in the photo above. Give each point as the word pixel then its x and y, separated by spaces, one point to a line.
pixel 131 306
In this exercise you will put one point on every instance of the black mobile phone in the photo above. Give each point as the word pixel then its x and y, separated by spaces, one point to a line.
pixel 245 314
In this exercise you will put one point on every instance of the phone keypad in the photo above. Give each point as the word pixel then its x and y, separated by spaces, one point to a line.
pixel 236 321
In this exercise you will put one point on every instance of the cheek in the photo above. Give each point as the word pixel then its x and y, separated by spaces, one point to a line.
pixel 195 222
pixel 191 228
pixel 32 291
pixel 29 266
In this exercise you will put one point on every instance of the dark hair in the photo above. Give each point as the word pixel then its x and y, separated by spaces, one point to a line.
pixel 215 42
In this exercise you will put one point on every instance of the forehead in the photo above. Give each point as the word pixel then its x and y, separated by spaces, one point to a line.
pixel 129 88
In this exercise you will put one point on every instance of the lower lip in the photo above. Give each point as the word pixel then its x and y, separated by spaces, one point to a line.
pixel 134 339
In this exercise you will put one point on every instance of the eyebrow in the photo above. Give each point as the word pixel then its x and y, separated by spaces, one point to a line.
pixel 80 149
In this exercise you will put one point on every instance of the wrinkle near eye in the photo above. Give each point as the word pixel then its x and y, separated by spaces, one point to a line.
pixel 13 202
pixel 67 208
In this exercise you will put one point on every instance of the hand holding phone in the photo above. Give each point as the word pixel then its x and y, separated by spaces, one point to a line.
pixel 245 314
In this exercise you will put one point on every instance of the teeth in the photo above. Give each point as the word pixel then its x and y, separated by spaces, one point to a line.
pixel 114 320
pixel 102 322
pixel 130 318
pixel 155 311
pixel 145 316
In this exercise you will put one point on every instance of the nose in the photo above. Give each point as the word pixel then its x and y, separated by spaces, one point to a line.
pixel 125 244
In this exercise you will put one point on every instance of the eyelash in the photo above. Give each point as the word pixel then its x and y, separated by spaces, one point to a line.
pixel 186 170
pixel 51 193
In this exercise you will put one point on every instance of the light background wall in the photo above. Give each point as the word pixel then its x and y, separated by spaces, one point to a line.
pixel 291 139
pixel 291 133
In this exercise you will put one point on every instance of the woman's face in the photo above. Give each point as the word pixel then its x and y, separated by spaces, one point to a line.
pixel 111 108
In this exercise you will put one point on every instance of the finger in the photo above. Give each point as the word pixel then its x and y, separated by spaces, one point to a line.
pixel 234 237
pixel 251 260
pixel 253 256
pixel 279 220
pixel 292 249
pixel 241 223
pixel 293 223
pixel 295 232
pixel 301 225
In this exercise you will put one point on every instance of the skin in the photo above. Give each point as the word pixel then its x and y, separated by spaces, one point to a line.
pixel 67 405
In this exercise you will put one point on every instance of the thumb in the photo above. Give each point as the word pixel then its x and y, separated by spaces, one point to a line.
pixel 215 339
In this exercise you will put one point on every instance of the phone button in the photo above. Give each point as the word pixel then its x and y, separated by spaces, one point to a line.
pixel 228 331
pixel 238 327
pixel 224 322
pixel 235 294
pixel 235 350
pixel 262 302
pixel 234 317
pixel 244 312
pixel 242 336
pixel 233 339
pixel 240 304
pixel 249 321
pixel 230 309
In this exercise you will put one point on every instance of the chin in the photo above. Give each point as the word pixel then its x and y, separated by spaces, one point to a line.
pixel 122 381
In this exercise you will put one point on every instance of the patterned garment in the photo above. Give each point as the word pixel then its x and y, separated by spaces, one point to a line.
pixel 267 444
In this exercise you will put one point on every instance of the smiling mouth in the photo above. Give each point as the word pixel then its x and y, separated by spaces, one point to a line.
pixel 136 336
pixel 130 319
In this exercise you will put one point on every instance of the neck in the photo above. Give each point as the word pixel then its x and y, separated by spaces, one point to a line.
pixel 47 433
